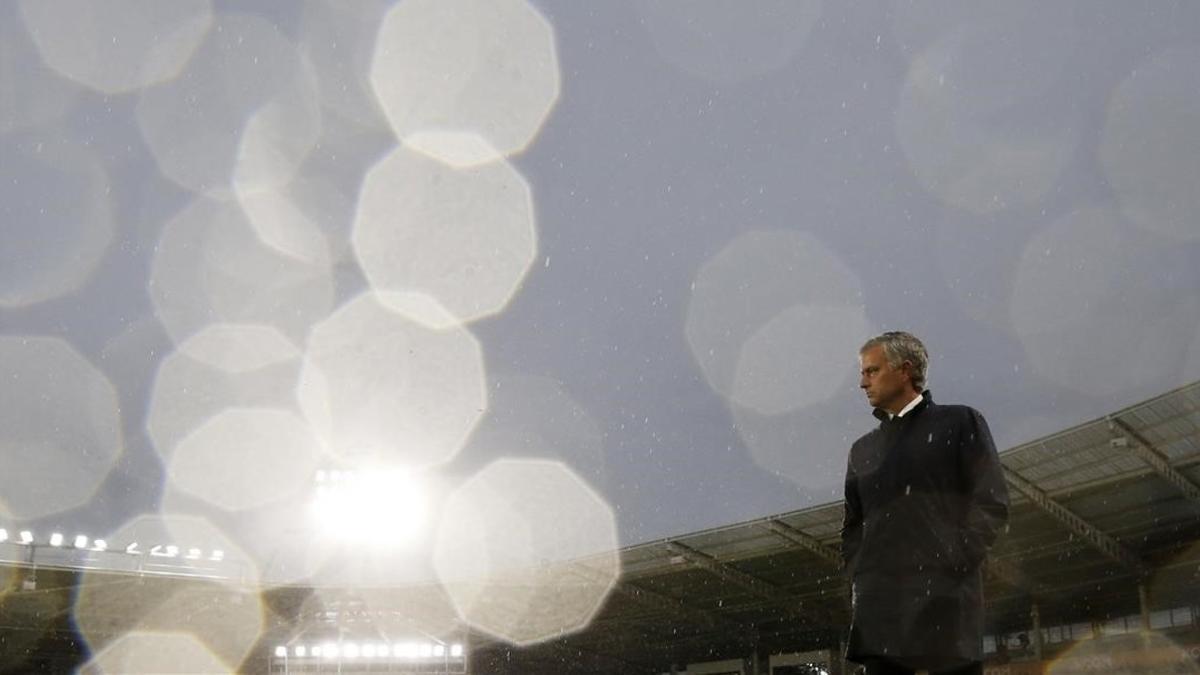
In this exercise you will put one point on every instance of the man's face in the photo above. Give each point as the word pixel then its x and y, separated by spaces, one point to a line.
pixel 884 385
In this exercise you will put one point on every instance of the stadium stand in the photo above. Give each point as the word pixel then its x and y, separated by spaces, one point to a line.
pixel 1098 572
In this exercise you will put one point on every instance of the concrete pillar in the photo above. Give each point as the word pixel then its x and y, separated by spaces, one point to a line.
pixel 1036 616
pixel 758 657
pixel 1144 605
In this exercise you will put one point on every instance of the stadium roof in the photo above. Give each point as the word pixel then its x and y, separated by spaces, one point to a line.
pixel 1097 511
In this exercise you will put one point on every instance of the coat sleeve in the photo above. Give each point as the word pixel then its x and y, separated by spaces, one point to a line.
pixel 852 519
pixel 986 490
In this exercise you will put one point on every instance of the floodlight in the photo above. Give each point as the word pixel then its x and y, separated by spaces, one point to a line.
pixel 281 651
pixel 56 539
pixel 384 507
pixel 368 651
pixel 410 650
pixel 217 555
pixel 3 534
pixel 330 651
pixel 426 650
pixel 193 554
pixel 99 545
pixel 456 650
pixel 81 541
pixel 439 650
pixel 316 650
pixel 350 650
pixel 26 537
pixel 132 549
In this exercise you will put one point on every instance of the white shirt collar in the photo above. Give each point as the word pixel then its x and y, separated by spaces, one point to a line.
pixel 911 404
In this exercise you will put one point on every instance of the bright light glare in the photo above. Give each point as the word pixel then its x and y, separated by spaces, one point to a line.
pixel 81 541
pixel 381 507
pixel 463 68
pixel 26 537
pixel 301 651
pixel 350 650
pixel 3 534
pixel 444 245
pixel 117 46
pixel 281 651
pixel 60 424
pixel 456 650
pixel 56 539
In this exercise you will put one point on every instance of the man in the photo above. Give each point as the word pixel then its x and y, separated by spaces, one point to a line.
pixel 925 498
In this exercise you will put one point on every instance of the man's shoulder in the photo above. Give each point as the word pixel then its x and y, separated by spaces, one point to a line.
pixel 866 438
pixel 952 409
pixel 953 413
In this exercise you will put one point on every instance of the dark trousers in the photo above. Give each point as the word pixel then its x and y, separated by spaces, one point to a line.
pixel 883 667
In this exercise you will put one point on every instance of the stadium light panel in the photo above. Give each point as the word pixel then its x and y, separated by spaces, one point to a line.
pixel 26 537
pixel 350 650
pixel 426 650
pixel 56 539
pixel 81 541
pixel 368 651
pixel 330 651
pixel 3 535
pixel 383 507
pixel 281 651
pixel 456 651
pixel 99 545
pixel 301 651
pixel 439 650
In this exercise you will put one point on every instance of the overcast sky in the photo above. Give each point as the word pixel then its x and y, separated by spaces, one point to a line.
pixel 724 200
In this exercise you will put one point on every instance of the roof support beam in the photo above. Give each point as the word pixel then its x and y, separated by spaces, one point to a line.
pixel 657 601
pixel 751 584
pixel 1157 460
pixel 1088 532
pixel 746 582
pixel 674 606
pixel 804 540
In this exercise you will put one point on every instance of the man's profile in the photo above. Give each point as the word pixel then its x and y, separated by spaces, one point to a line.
pixel 925 499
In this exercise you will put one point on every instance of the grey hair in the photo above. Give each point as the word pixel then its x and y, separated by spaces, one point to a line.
pixel 899 347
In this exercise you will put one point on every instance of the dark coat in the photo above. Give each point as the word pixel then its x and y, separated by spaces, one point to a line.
pixel 925 498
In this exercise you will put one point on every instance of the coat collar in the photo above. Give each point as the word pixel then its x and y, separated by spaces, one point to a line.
pixel 883 415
